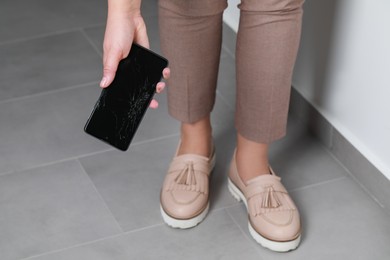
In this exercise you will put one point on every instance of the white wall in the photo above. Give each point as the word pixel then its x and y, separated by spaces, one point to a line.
pixel 343 69
pixel 231 15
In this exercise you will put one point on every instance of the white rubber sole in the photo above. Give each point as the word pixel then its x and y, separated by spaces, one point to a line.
pixel 184 223
pixel 272 245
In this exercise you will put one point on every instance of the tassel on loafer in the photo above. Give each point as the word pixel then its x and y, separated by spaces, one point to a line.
pixel 184 198
pixel 273 218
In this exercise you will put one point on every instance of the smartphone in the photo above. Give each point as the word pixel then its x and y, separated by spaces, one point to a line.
pixel 121 106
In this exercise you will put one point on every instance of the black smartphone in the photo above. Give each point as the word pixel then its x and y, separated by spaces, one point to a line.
pixel 122 105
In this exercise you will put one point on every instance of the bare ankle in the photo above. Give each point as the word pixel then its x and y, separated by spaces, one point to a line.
pixel 251 158
pixel 196 138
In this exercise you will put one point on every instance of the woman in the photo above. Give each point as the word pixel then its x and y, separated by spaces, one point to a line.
pixel 267 44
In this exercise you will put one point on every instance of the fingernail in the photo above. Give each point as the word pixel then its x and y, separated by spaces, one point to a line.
pixel 153 104
pixel 103 82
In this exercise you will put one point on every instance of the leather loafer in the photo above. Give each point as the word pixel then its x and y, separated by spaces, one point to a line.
pixel 273 218
pixel 184 199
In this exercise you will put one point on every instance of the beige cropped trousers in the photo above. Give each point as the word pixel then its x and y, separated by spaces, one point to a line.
pixel 267 44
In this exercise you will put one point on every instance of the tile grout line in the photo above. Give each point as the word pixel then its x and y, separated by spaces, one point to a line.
pixel 228 51
pixel 318 184
pixel 134 144
pixel 48 92
pixel 224 100
pixel 249 240
pixel 93 241
pixel 101 197
pixel 91 43
pixel 353 177
pixel 156 139
pixel 143 228
pixel 94 153
pixel 233 205
pixel 72 158
pixel 329 149
pixel 213 209
pixel 37 166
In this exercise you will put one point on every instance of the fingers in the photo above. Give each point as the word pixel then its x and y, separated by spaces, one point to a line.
pixel 122 37
pixel 110 65
pixel 160 87
pixel 166 73
pixel 153 104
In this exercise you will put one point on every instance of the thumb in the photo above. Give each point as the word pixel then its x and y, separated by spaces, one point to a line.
pixel 141 35
pixel 142 39
pixel 110 64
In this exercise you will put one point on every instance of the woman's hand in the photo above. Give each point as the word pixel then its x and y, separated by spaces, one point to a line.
pixel 124 25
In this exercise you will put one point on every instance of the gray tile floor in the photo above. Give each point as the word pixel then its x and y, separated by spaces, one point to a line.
pixel 64 195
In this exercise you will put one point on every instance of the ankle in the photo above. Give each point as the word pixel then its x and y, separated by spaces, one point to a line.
pixel 196 138
pixel 251 159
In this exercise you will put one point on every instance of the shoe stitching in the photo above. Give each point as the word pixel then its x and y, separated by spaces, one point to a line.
pixel 264 216
pixel 185 203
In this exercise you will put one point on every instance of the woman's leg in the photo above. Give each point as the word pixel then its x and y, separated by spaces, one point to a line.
pixel 191 34
pixel 267 46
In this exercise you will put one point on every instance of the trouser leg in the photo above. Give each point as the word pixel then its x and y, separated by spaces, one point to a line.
pixel 191 35
pixel 267 45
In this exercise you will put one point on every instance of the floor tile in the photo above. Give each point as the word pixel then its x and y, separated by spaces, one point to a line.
pixel 46 128
pixel 125 179
pixel 37 17
pixel 216 238
pixel 157 122
pixel 229 40
pixel 362 169
pixel 50 208
pixel 55 206
pixel 227 79
pixel 302 161
pixel 339 222
pixel 224 141
pixel 52 125
pixel 46 64
pixel 96 36
pixel 130 182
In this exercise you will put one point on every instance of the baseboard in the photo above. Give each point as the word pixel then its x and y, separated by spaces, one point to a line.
pixel 359 168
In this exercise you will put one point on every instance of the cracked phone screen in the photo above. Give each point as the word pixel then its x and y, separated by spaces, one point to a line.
pixel 122 105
